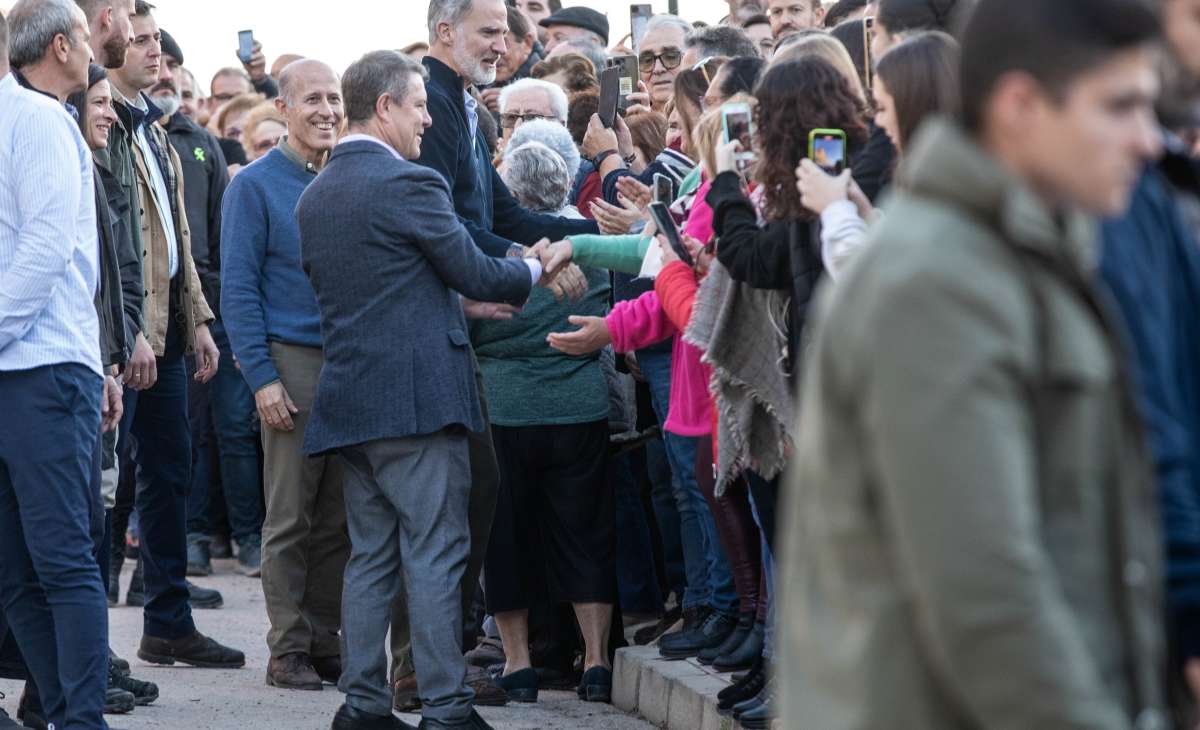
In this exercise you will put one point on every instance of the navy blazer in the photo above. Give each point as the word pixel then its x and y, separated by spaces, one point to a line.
pixel 386 254
pixel 489 211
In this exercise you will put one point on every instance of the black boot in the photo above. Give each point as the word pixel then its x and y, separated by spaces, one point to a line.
pixel 197 650
pixel 693 618
pixel 751 685
pixel 744 626
pixel 715 630
pixel 744 656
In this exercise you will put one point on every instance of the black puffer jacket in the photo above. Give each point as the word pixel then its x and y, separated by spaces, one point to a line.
pixel 783 255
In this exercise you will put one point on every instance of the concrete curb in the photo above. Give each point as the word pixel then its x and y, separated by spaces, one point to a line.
pixel 676 695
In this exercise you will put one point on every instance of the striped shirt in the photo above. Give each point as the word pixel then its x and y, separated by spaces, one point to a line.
pixel 49 251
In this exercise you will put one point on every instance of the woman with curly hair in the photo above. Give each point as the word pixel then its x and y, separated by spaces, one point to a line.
pixel 783 253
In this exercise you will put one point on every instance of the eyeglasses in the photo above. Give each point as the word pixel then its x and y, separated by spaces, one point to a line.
pixel 508 121
pixel 670 58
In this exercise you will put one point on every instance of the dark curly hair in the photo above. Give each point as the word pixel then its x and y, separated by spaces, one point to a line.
pixel 795 98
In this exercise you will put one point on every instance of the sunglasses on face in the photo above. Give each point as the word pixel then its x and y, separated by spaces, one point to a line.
pixel 670 59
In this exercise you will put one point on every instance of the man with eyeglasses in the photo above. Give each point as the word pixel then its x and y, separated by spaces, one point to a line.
pixel 660 59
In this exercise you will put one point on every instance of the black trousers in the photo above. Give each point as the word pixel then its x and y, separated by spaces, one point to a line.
pixel 554 532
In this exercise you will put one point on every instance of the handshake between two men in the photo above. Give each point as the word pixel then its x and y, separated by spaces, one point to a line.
pixel 561 277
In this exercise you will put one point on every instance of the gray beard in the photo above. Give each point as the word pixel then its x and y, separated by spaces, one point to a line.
pixel 472 69
pixel 169 104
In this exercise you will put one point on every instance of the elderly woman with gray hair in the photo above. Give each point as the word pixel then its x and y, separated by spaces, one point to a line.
pixel 553 537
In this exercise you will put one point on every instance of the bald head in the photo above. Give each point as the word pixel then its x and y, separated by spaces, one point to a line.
pixel 298 75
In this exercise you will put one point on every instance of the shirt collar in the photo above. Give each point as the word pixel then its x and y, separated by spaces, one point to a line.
pixel 295 157
pixel 368 138
pixel 24 83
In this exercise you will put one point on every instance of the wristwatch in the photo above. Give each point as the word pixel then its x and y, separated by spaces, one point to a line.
pixel 599 159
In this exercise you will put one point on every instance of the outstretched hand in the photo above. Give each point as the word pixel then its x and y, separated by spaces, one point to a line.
pixel 488 310
pixel 592 335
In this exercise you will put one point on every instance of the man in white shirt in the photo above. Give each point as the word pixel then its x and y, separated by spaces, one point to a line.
pixel 50 384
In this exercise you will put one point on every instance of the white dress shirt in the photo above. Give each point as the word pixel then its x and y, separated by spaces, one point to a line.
pixel 49 247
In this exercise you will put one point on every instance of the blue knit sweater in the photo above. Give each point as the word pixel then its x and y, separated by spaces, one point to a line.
pixel 265 296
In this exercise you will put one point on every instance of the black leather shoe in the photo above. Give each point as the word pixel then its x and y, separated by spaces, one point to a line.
pixel 348 718
pixel 748 687
pixel 744 656
pixel 143 693
pixel 596 685
pixel 118 701
pixel 473 722
pixel 521 685
pixel 745 625
pixel 715 630
pixel 204 597
pixel 693 618
pixel 197 650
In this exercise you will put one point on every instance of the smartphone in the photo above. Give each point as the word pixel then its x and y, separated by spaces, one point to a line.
pixel 245 45
pixel 629 78
pixel 664 191
pixel 868 62
pixel 666 226
pixel 639 15
pixel 827 148
pixel 738 123
pixel 610 95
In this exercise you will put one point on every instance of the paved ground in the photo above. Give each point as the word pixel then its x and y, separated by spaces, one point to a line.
pixel 206 699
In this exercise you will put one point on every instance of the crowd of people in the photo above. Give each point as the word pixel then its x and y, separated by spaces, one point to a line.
pixel 903 432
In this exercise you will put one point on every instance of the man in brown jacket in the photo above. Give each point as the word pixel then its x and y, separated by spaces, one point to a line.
pixel 176 322
pixel 974 535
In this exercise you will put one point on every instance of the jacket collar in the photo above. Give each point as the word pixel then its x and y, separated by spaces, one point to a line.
pixel 363 147
pixel 947 165
pixel 179 124
pixel 442 75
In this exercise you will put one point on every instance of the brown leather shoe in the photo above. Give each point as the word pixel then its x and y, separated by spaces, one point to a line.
pixel 405 697
pixel 487 692
pixel 329 668
pixel 293 671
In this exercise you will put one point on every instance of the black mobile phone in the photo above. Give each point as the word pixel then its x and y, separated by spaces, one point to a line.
pixel 610 95
pixel 629 78
pixel 666 226
pixel 664 191
pixel 245 45
pixel 639 16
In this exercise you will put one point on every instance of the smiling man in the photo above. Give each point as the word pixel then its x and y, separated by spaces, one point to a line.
pixel 388 256
pixel 792 16
pixel 270 313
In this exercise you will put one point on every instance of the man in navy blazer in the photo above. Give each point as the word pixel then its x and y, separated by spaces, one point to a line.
pixel 388 259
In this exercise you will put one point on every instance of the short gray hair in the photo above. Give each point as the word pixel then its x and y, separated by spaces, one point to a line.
pixel 34 23
pixel 721 40
pixel 666 20
pixel 372 76
pixel 590 50
pixel 446 11
pixel 553 92
pixel 538 177
pixel 555 136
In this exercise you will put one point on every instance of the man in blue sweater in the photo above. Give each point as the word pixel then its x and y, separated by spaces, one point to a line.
pixel 1151 264
pixel 466 40
pixel 271 315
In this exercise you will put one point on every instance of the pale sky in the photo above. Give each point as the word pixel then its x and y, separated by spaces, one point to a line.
pixel 337 31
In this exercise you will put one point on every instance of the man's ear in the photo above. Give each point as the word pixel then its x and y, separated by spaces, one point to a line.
pixel 383 106
pixel 445 34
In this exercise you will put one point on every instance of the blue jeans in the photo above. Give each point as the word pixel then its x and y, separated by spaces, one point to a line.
pixel 637 581
pixel 709 580
pixel 49 500
pixel 224 408
pixel 155 429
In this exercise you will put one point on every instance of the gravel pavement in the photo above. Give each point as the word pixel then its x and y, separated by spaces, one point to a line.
pixel 207 699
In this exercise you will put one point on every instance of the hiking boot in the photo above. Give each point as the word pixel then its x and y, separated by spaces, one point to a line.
pixel 199 559
pixel 197 650
pixel 293 671
pixel 118 702
pixel 143 693
pixel 249 557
